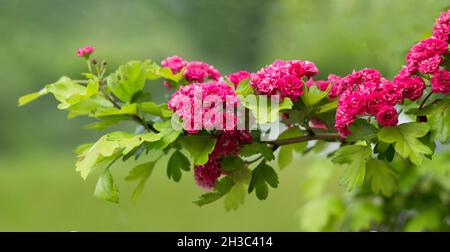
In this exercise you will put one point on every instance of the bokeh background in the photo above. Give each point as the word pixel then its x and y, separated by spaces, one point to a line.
pixel 39 188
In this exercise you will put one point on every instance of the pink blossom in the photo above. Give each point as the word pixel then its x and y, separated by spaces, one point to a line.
pixel 412 86
pixel 237 77
pixel 387 116
pixel 85 51
pixel 375 102
pixel 426 55
pixel 440 82
pixel 441 28
pixel 337 87
pixel 200 105
pixel 208 174
pixel 354 103
pixel 343 121
pixel 366 92
pixel 283 78
pixel 197 71
pixel 228 143
pixel 393 92
pixel 370 75
pixel 302 68
pixel 175 63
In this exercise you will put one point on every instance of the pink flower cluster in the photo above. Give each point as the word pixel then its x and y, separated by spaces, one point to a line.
pixel 411 86
pixel 427 56
pixel 205 106
pixel 284 78
pixel 85 51
pixel 175 63
pixel 440 82
pixel 195 71
pixel 441 28
pixel 228 143
pixel 200 107
pixel 366 93
pixel 237 77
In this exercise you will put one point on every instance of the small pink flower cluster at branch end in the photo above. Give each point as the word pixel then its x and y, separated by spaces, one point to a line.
pixel 284 78
pixel 367 93
pixel 427 56
pixel 195 71
pixel 85 51
pixel 441 28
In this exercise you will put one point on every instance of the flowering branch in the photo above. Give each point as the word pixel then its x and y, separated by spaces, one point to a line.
pixel 205 101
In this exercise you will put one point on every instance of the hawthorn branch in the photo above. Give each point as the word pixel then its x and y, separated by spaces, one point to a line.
pixel 425 100
pixel 135 118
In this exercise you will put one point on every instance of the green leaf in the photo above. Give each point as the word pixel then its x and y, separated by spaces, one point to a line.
pixel 108 147
pixel 69 92
pixel 105 122
pixel 313 95
pixel 231 163
pixel 83 148
pixel 155 72
pixel 168 136
pixel 141 172
pixel 31 97
pixel 66 91
pixel 152 108
pixel 265 110
pixel 177 162
pixel 262 176
pixel 242 175
pixel 440 126
pixel 106 189
pixel 285 157
pixel 235 197
pixel 89 106
pixel 129 109
pixel 327 107
pixel 257 148
pixel 199 147
pixel 128 79
pixel 355 156
pixel 244 88
pixel 286 154
pixel 362 130
pixel 101 149
pixel 222 188
pixel 381 177
pixel 405 137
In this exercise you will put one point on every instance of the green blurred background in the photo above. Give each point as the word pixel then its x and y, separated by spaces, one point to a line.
pixel 39 188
